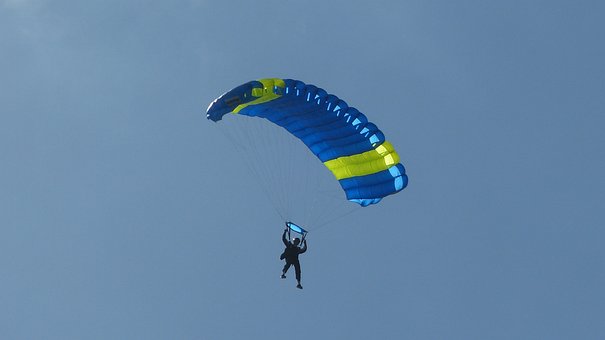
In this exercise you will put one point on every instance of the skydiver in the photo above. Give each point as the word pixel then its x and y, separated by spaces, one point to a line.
pixel 290 254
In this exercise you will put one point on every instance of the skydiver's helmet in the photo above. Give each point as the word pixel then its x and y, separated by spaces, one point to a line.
pixel 296 241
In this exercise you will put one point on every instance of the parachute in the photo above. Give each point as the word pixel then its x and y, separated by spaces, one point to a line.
pixel 357 153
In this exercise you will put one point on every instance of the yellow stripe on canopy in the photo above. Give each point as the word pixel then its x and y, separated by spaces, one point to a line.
pixel 265 94
pixel 370 162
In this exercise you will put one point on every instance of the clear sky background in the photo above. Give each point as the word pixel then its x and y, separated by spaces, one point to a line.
pixel 123 215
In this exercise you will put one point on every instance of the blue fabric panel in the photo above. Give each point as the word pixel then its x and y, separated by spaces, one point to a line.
pixel 364 202
pixel 377 185
pixel 320 121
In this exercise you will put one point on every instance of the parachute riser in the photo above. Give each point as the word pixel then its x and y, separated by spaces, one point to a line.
pixel 297 229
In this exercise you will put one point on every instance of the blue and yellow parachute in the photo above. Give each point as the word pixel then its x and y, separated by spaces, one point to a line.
pixel 352 148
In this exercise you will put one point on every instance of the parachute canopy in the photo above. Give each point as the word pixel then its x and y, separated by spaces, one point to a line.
pixel 352 148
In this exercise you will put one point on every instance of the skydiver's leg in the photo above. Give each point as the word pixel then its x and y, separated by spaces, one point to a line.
pixel 286 267
pixel 297 270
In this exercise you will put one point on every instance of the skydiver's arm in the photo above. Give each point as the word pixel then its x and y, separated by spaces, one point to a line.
pixel 283 238
pixel 304 248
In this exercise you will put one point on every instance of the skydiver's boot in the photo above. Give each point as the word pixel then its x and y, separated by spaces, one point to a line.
pixel 283 276
pixel 299 286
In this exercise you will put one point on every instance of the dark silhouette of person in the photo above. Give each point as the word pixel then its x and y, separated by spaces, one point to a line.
pixel 290 254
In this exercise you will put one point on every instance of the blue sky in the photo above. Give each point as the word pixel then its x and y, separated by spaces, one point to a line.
pixel 123 217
